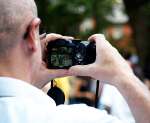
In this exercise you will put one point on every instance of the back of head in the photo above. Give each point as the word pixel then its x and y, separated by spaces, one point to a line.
pixel 15 15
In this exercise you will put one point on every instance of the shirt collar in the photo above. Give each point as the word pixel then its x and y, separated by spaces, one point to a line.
pixel 10 87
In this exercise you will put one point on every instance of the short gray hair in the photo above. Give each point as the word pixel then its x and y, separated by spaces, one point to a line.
pixel 14 17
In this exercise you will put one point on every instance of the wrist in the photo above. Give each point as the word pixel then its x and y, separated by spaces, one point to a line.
pixel 123 78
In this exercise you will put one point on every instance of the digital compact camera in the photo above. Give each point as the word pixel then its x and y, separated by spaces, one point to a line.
pixel 62 54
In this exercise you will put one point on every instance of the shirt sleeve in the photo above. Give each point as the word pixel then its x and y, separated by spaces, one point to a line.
pixel 80 113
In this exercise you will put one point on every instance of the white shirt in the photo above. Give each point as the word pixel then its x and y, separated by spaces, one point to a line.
pixel 111 97
pixel 20 102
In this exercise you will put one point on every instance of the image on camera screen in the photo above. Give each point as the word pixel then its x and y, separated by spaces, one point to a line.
pixel 61 57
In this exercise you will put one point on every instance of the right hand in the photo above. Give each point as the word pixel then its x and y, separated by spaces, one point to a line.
pixel 43 75
pixel 108 66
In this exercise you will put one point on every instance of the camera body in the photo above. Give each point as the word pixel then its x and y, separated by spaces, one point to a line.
pixel 62 54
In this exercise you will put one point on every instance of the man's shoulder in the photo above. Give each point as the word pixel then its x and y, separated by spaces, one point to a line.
pixel 24 110
pixel 11 109
pixel 80 113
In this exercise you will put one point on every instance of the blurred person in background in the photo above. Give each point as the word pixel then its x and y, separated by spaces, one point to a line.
pixel 81 91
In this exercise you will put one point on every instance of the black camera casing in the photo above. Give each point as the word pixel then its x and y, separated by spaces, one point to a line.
pixel 62 54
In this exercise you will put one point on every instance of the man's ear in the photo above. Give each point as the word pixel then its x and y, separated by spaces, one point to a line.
pixel 32 34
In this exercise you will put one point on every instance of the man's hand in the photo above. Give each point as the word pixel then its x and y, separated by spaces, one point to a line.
pixel 109 63
pixel 44 75
pixel 110 67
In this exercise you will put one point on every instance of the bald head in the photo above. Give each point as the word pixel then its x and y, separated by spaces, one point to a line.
pixel 15 15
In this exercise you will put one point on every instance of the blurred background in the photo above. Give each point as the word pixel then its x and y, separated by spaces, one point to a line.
pixel 126 25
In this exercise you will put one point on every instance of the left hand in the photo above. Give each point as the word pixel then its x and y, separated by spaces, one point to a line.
pixel 45 75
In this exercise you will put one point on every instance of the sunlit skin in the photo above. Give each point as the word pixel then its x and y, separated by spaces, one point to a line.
pixel 21 57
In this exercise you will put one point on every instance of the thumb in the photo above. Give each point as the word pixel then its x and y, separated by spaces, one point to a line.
pixel 80 70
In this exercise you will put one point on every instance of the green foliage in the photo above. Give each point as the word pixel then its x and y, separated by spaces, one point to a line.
pixel 65 16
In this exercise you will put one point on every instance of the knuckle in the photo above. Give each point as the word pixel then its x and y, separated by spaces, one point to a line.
pixel 53 35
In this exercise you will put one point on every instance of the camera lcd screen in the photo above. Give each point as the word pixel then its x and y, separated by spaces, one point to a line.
pixel 61 56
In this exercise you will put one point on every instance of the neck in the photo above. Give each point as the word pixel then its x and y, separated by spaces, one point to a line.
pixel 15 68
